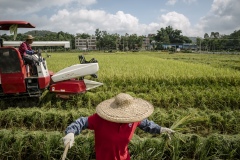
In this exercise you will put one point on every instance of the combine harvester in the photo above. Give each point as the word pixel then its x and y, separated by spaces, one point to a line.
pixel 16 80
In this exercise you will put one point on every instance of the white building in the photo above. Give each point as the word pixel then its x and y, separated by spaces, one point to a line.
pixel 86 44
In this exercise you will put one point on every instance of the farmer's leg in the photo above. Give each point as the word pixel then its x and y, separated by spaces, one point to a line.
pixel 29 59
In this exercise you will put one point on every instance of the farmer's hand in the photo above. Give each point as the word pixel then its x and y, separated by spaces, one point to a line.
pixel 35 52
pixel 68 138
pixel 166 130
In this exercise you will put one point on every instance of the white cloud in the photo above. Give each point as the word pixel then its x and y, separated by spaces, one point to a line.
pixel 223 17
pixel 89 20
pixel 189 1
pixel 178 21
pixel 23 7
pixel 163 10
pixel 74 16
pixel 173 2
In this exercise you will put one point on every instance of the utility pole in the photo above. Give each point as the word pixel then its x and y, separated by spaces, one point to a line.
pixel 123 45
pixel 200 45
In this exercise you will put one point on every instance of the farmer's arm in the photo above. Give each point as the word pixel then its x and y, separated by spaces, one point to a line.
pixel 30 52
pixel 153 128
pixel 149 126
pixel 77 126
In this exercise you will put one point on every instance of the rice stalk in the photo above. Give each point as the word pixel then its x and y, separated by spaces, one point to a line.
pixel 176 126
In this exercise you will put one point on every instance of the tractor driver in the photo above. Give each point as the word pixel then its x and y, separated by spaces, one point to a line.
pixel 27 53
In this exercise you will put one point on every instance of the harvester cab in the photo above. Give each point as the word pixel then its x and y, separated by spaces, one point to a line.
pixel 16 79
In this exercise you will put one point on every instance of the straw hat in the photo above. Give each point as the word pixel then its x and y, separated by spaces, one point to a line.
pixel 29 37
pixel 124 109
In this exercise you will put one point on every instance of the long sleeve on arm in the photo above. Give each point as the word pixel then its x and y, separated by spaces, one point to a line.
pixel 30 52
pixel 77 126
pixel 149 126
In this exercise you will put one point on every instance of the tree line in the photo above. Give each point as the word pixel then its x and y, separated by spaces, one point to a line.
pixel 217 42
pixel 167 35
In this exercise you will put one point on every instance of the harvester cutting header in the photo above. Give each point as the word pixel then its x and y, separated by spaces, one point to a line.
pixel 17 80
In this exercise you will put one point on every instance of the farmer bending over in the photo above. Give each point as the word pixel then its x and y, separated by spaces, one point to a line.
pixel 114 124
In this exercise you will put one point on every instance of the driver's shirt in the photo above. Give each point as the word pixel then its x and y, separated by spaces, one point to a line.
pixel 111 139
pixel 23 48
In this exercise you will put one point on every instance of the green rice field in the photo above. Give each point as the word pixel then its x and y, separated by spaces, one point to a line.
pixel 195 94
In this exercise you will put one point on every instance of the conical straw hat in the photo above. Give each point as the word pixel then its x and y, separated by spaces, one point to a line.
pixel 29 37
pixel 124 109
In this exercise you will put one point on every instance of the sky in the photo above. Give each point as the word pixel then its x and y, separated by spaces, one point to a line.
pixel 142 17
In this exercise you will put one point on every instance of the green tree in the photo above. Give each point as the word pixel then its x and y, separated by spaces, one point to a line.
pixel 134 42
pixel 106 41
pixel 98 34
pixel 82 36
pixel 170 35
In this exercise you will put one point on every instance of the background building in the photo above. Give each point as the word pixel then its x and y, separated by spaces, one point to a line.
pixel 146 43
pixel 86 44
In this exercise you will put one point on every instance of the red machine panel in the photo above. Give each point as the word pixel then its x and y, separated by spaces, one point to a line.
pixel 68 87
pixel 44 82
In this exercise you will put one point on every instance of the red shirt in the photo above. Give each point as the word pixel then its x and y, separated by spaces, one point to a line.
pixel 23 48
pixel 111 139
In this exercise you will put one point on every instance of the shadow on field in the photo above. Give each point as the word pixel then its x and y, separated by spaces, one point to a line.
pixel 47 100
pixel 19 102
pixel 26 102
